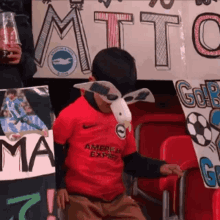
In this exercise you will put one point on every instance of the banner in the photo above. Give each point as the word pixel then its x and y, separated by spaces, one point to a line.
pixel 27 164
pixel 201 105
pixel 168 39
pixel 201 21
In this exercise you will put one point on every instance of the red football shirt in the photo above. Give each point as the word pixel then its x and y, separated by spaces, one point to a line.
pixel 97 144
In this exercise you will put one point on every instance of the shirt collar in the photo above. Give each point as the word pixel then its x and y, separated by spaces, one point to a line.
pixel 89 96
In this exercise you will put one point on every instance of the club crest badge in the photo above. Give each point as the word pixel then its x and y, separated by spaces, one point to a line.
pixel 121 131
pixel 62 61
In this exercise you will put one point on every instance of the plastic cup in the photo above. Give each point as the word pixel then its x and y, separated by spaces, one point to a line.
pixel 8 33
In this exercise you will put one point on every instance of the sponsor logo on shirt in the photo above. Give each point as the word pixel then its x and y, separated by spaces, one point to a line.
pixel 103 151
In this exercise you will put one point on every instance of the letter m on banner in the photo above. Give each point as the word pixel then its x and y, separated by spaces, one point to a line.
pixel 52 21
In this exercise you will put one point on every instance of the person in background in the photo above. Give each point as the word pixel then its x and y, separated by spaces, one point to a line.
pixel 19 65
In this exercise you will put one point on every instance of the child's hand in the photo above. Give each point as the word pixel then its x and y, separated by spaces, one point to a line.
pixel 168 169
pixel 62 198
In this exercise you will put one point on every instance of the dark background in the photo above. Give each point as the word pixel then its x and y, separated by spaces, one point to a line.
pixel 9 190
pixel 62 92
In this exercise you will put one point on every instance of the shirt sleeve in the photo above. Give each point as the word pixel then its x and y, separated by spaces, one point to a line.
pixel 60 157
pixel 131 144
pixel 137 165
pixel 63 126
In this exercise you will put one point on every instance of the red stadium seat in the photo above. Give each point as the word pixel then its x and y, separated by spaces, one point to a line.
pixel 165 104
pixel 174 150
pixel 216 205
pixel 196 201
pixel 152 130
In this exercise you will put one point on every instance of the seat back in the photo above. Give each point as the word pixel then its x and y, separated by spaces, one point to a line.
pixel 198 199
pixel 216 205
pixel 152 131
pixel 175 150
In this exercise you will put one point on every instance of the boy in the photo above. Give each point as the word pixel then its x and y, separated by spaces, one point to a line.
pixel 97 154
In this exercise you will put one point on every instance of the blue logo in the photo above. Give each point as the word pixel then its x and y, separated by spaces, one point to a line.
pixel 62 61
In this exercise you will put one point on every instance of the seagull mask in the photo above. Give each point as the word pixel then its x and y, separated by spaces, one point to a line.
pixel 119 105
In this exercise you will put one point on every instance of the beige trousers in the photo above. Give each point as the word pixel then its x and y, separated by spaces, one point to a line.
pixel 83 208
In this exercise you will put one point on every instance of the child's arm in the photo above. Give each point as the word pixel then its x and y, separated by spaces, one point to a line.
pixel 63 128
pixel 139 166
pixel 62 194
pixel 60 171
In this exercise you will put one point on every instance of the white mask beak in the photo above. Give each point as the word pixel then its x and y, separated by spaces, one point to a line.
pixel 122 112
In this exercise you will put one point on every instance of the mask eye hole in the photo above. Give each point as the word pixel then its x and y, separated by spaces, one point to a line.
pixel 142 96
pixel 129 98
pixel 112 97
pixel 102 90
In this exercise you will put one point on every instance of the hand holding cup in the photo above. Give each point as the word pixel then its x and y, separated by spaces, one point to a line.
pixel 10 50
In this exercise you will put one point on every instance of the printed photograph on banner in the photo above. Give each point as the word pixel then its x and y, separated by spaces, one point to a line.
pixel 200 101
pixel 18 117
pixel 26 136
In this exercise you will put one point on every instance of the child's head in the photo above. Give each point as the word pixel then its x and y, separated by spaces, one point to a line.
pixel 11 93
pixel 116 66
